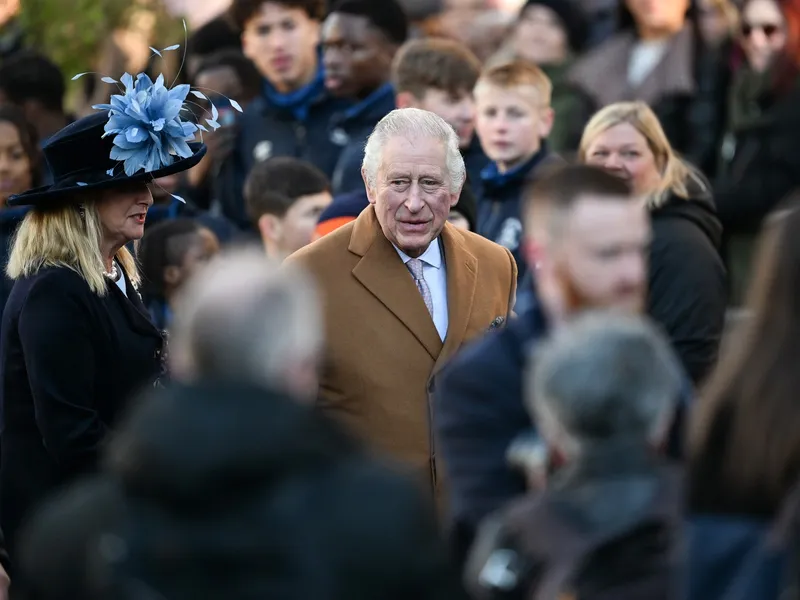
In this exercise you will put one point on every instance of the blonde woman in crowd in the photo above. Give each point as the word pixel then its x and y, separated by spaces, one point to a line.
pixel 687 283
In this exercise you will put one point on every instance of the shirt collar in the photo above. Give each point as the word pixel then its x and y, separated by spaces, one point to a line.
pixel 431 257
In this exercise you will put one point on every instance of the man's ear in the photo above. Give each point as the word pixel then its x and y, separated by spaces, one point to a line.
pixel 406 100
pixel 370 191
pixel 546 124
pixel 172 275
pixel 269 226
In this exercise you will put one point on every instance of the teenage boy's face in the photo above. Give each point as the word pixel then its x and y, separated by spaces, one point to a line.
pixel 282 42
pixel 458 109
pixel 357 58
pixel 511 123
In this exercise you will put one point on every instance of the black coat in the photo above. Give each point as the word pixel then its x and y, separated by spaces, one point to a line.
pixel 69 360
pixel 688 291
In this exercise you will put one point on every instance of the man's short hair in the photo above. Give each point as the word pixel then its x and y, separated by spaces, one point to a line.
pixel 385 15
pixel 275 184
pixel 244 68
pixel 518 73
pixel 605 377
pixel 242 11
pixel 245 318
pixel 440 64
pixel 30 75
pixel 558 190
pixel 216 35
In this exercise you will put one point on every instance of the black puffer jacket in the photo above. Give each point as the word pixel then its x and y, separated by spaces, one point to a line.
pixel 688 287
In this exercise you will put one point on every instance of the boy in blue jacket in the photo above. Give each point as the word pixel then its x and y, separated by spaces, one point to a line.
pixel 513 121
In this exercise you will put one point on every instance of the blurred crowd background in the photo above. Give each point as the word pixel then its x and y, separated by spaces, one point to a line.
pixel 648 456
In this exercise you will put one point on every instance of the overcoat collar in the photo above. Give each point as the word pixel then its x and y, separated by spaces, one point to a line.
pixel 382 272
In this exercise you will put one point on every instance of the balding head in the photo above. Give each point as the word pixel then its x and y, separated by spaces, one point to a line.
pixel 244 317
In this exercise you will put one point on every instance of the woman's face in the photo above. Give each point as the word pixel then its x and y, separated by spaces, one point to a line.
pixel 123 212
pixel 658 17
pixel 714 25
pixel 15 165
pixel 763 34
pixel 623 151
pixel 540 37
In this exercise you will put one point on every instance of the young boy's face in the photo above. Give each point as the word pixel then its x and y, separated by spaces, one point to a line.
pixel 511 123
pixel 295 229
pixel 282 42
pixel 458 109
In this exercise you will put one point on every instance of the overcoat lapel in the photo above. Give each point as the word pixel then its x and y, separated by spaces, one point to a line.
pixel 134 308
pixel 382 272
pixel 462 277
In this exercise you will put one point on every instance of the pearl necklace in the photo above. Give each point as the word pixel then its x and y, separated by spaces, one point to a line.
pixel 114 274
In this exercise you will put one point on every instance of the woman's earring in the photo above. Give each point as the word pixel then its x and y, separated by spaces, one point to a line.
pixel 82 212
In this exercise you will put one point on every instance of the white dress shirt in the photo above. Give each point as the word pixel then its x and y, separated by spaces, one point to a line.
pixel 435 274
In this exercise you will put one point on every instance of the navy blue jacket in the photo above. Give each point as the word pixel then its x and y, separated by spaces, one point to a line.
pixel 352 128
pixel 479 411
pixel 475 162
pixel 69 362
pixel 731 558
pixel 500 203
pixel 267 130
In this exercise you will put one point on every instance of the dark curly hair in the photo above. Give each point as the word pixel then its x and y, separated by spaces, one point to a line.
pixel 242 11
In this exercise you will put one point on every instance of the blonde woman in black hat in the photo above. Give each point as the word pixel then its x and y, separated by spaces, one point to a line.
pixel 76 340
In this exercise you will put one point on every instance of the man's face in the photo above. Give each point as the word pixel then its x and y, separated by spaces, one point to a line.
pixel 458 109
pixel 412 194
pixel 357 58
pixel 598 258
pixel 282 42
pixel 511 123
pixel 295 229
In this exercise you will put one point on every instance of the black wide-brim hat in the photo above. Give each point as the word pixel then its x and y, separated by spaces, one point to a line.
pixel 79 159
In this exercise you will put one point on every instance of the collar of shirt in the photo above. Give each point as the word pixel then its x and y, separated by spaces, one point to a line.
pixel 431 257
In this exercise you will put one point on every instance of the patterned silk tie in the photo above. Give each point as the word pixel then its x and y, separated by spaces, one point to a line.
pixel 415 265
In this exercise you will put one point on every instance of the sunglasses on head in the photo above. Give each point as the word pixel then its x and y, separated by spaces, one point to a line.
pixel 768 29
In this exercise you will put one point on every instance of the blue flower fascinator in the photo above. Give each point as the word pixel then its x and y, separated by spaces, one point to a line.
pixel 145 132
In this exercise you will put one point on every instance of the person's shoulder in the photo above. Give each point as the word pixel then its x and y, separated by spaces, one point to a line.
pixel 484 359
pixel 326 251
pixel 58 280
pixel 483 248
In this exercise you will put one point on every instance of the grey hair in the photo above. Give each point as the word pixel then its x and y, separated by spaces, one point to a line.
pixel 603 377
pixel 247 318
pixel 414 123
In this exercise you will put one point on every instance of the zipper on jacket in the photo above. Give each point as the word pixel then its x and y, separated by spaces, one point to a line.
pixel 300 133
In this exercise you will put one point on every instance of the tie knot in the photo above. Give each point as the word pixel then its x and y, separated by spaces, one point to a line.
pixel 415 265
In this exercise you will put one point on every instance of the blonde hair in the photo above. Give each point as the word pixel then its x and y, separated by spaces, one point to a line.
pixel 676 174
pixel 517 73
pixel 63 238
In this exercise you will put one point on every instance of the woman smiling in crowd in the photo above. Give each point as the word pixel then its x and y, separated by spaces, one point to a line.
pixel 687 289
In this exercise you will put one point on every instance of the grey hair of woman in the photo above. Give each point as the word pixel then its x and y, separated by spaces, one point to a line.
pixel 413 123
pixel 604 377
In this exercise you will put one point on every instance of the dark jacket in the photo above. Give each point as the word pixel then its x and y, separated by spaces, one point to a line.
pixel 687 282
pixel 69 361
pixel 267 130
pixel 761 164
pixel 608 526
pixel 475 161
pixel 10 218
pixel 500 205
pixel 686 90
pixel 230 474
pixel 479 411
pixel 352 128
